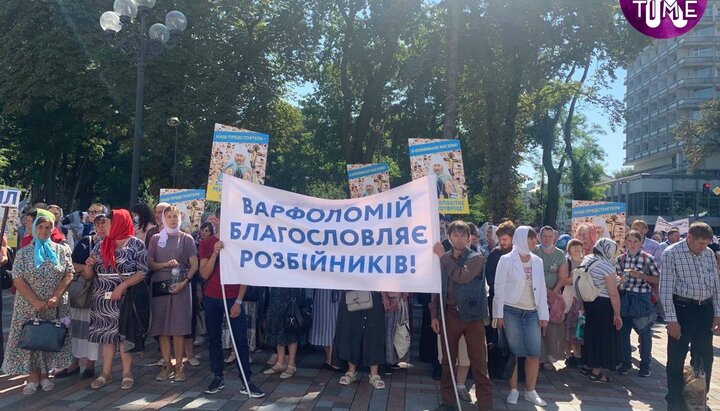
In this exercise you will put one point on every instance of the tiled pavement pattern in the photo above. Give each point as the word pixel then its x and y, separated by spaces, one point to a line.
pixel 314 389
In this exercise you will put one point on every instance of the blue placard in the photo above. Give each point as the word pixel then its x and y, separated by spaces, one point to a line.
pixel 598 209
pixel 183 195
pixel 368 170
pixel 225 136
pixel 434 147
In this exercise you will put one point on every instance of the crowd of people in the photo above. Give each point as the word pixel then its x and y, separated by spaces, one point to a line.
pixel 506 289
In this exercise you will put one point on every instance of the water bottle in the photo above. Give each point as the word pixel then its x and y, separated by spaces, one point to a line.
pixel 175 275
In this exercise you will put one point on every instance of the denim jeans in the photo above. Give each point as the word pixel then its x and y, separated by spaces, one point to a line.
pixel 522 330
pixel 214 312
pixel 645 336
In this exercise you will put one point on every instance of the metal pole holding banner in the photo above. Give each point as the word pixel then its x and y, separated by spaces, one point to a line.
pixel 451 364
pixel 232 337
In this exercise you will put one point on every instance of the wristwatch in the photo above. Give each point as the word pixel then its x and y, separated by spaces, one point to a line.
pixel 238 301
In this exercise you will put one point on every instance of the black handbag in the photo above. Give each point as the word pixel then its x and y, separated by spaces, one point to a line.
pixel 80 292
pixel 161 288
pixel 298 317
pixel 43 335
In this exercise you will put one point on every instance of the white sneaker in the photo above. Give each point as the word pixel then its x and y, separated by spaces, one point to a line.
pixel 512 398
pixel 533 397
pixel 193 361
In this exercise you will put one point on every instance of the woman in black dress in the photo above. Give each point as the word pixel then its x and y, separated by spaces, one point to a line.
pixel 360 340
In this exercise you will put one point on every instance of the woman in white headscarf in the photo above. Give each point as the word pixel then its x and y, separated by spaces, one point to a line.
pixel 601 345
pixel 171 250
pixel 520 307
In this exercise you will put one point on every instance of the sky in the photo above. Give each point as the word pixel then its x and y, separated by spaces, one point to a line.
pixel 612 142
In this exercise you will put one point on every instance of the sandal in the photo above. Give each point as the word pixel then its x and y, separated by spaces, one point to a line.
pixel 30 388
pixel 289 372
pixel 274 369
pixel 585 371
pixel 600 377
pixel 46 384
pixel 377 382
pixel 127 383
pixel 548 366
pixel 348 378
pixel 100 382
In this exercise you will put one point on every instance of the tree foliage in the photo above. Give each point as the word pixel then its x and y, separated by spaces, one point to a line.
pixel 493 74
pixel 700 138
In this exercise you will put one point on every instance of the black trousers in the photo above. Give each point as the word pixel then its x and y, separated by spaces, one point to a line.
pixel 696 332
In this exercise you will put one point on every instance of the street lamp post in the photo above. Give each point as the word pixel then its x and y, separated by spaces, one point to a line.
pixel 174 122
pixel 145 43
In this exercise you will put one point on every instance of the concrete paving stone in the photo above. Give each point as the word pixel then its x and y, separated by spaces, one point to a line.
pixel 76 405
pixel 292 389
pixel 204 403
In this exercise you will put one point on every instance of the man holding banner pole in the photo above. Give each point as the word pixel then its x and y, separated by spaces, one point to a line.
pixel 225 300
pixel 465 310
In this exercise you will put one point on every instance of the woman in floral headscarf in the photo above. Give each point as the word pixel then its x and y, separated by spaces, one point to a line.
pixel 41 273
pixel 117 262
pixel 601 348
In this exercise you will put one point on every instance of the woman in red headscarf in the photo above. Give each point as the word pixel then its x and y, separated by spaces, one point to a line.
pixel 117 262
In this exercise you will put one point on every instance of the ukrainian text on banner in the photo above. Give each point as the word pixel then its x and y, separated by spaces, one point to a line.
pixel 191 204
pixel 443 158
pixel 663 226
pixel 9 204
pixel 280 239
pixel 607 218
pixel 236 152
pixel 368 179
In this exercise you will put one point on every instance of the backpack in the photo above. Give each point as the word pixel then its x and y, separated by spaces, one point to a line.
pixel 583 284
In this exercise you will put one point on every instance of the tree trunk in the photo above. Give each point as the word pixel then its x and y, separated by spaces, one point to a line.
pixel 451 96
pixel 567 137
pixel 346 110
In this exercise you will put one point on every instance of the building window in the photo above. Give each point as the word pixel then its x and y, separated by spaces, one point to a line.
pixel 703 72
pixel 703 93
pixel 702 52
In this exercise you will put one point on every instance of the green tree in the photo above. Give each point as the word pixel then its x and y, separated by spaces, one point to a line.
pixel 700 138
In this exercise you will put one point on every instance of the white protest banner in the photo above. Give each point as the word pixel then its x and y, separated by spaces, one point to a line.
pixel 662 225
pixel 9 197
pixel 281 239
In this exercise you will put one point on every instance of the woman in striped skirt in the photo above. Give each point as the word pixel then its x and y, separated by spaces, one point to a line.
pixel 80 317
pixel 322 333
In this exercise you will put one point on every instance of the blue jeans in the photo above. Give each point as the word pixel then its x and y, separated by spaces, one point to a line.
pixel 645 344
pixel 214 312
pixel 629 323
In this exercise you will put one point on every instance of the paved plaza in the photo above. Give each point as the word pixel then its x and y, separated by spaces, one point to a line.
pixel 311 388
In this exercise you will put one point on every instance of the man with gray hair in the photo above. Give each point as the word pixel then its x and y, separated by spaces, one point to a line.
pixel 690 295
